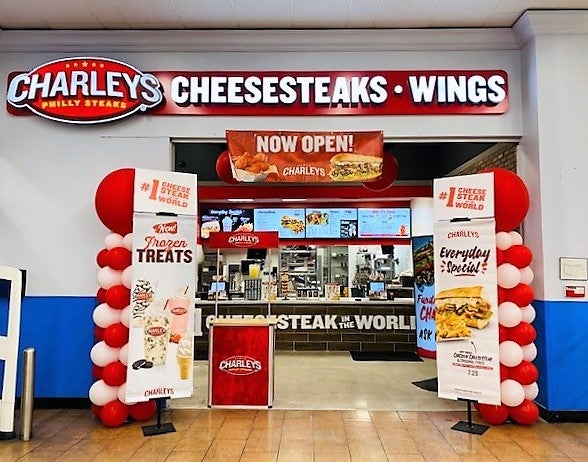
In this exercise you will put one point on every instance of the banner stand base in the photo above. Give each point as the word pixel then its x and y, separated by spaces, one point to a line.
pixel 468 426
pixel 158 428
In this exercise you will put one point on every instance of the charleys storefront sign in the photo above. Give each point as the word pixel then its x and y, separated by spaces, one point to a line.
pixel 88 90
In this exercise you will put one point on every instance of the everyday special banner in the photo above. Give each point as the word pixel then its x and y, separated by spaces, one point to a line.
pixel 305 157
pixel 160 356
pixel 466 316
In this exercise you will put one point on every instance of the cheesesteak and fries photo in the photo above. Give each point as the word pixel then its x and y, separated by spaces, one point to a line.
pixel 459 309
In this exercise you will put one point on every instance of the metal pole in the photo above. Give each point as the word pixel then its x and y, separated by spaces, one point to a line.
pixel 28 394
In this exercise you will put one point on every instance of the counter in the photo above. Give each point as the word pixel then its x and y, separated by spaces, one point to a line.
pixel 322 325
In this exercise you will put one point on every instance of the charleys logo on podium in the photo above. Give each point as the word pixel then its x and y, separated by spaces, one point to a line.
pixel 83 90
pixel 240 365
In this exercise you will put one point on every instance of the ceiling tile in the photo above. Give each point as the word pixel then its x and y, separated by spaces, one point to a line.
pixel 408 13
pixel 501 19
pixel 473 13
pixel 148 11
pixel 255 14
pixel 510 6
pixel 206 13
pixel 320 13
pixel 107 13
pixel 18 14
pixel 54 14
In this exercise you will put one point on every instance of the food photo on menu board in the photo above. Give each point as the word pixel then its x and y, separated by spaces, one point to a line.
pixel 288 222
pixel 225 219
pixel 331 223
pixel 383 223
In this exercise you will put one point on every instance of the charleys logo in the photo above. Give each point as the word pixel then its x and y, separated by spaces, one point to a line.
pixel 156 331
pixel 84 90
pixel 243 240
pixel 166 228
pixel 240 365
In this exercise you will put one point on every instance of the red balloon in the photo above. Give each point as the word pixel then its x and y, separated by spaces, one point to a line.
pixel 523 333
pixel 142 411
pixel 525 373
pixel 504 373
pixel 502 333
pixel 97 371
pixel 526 413
pixel 501 295
pixel 223 168
pixel 114 200
pixel 494 415
pixel 521 294
pixel 101 295
pixel 519 255
pixel 389 174
pixel 511 199
pixel 96 410
pixel 499 257
pixel 101 258
pixel 116 335
pixel 118 297
pixel 114 374
pixel 114 413
pixel 98 333
pixel 119 258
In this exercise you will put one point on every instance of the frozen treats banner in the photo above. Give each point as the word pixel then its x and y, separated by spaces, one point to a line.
pixel 305 157
pixel 466 300
pixel 161 333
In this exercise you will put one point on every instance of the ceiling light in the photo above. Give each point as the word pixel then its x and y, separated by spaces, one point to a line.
pixel 294 200
pixel 240 200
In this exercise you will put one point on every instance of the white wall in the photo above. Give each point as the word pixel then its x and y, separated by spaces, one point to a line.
pixel 552 155
pixel 49 171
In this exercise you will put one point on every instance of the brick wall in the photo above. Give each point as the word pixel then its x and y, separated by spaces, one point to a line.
pixel 502 155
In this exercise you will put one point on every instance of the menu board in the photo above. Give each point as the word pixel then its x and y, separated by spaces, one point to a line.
pixel 383 223
pixel 225 219
pixel 289 223
pixel 331 223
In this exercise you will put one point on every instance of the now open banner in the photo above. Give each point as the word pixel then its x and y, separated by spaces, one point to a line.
pixel 305 157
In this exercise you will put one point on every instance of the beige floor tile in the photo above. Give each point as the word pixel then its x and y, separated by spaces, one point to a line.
pixel 332 457
pixel 405 458
pixel 259 457
pixel 297 429
pixel 185 456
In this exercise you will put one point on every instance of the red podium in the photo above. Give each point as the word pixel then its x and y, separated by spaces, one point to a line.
pixel 241 363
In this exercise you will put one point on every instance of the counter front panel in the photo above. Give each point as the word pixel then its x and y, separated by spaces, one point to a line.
pixel 326 326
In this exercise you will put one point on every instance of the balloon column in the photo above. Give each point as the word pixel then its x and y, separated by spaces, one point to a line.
pixel 114 206
pixel 518 374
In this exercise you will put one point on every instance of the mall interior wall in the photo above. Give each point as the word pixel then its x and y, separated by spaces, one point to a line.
pixel 50 170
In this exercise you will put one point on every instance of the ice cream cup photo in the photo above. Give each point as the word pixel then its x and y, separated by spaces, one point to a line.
pixel 156 330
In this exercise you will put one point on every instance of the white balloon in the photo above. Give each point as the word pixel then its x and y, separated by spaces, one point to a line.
pixel 529 352
pixel 125 316
pixel 107 277
pixel 510 353
pixel 512 392
pixel 503 240
pixel 113 240
pixel 121 392
pixel 516 238
pixel 102 354
pixel 509 314
pixel 100 393
pixel 128 242
pixel 123 354
pixel 527 275
pixel 531 391
pixel 104 315
pixel 508 276
pixel 528 313
pixel 127 277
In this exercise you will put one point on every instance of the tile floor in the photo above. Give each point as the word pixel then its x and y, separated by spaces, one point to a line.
pixel 374 414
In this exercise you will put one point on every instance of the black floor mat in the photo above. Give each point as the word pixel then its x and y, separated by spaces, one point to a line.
pixel 429 384
pixel 200 355
pixel 384 356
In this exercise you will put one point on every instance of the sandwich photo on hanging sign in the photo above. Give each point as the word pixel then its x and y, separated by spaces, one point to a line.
pixel 458 310
pixel 305 157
